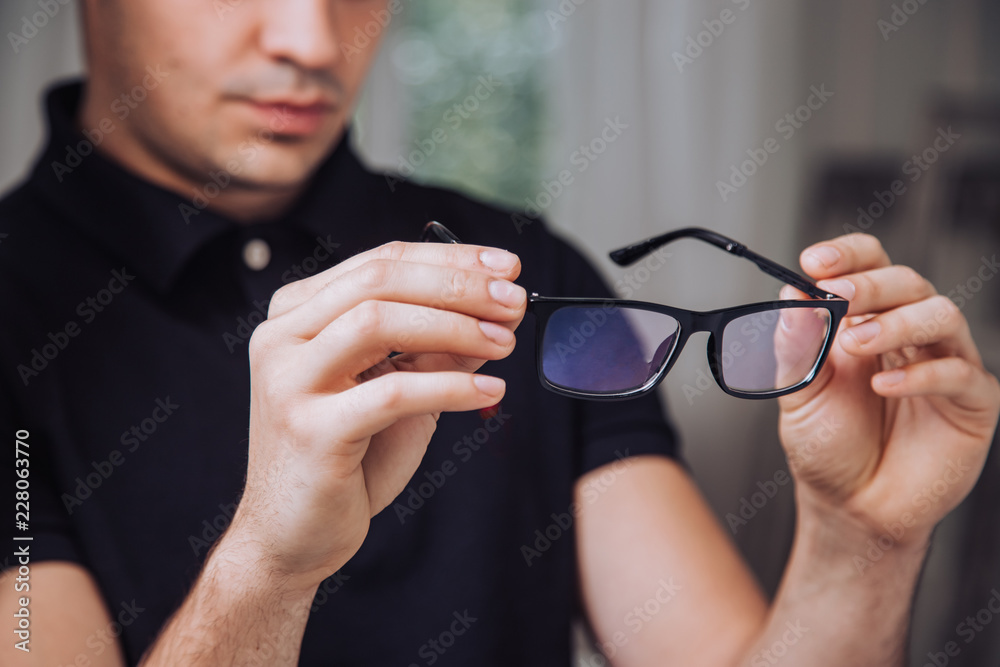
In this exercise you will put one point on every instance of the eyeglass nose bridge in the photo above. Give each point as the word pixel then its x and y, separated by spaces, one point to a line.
pixel 692 323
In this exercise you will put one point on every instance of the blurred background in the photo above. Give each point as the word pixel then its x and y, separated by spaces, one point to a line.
pixel 886 119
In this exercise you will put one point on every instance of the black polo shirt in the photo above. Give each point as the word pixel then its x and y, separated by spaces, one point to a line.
pixel 124 356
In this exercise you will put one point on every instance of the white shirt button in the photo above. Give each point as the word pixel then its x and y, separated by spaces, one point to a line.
pixel 257 254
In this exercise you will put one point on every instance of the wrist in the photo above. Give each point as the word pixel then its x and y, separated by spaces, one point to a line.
pixel 241 563
pixel 855 539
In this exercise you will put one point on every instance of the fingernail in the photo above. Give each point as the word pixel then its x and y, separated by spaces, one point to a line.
pixel 496 333
pixel 890 378
pixel 507 293
pixel 788 292
pixel 840 287
pixel 865 332
pixel 824 254
pixel 489 385
pixel 498 260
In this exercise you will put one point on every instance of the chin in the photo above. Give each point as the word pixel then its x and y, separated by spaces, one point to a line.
pixel 275 166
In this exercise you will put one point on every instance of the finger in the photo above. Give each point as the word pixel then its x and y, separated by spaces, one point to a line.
pixel 843 255
pixel 365 335
pixel 375 405
pixel 491 261
pixel 950 377
pixel 799 337
pixel 933 321
pixel 881 289
pixel 461 290
pixel 430 362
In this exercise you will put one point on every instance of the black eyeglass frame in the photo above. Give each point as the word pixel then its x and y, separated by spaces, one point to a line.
pixel 688 321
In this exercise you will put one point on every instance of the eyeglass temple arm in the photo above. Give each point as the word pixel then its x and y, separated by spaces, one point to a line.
pixel 636 251
pixel 434 231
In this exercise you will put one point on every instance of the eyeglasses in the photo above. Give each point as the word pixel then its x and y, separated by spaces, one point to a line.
pixel 614 349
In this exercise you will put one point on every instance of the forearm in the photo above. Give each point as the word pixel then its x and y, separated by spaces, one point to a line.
pixel 237 613
pixel 845 598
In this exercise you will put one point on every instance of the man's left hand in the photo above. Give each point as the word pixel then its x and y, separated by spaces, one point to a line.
pixel 895 429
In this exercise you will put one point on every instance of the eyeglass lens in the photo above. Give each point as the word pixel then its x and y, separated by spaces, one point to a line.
pixel 606 349
pixel 612 349
pixel 774 349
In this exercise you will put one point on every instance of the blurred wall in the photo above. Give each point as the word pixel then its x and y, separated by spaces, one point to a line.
pixel 50 52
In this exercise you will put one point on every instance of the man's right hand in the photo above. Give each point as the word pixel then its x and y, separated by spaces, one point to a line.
pixel 337 428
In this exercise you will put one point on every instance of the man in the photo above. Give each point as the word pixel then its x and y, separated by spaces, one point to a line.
pixel 206 194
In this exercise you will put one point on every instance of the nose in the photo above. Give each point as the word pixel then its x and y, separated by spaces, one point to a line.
pixel 301 31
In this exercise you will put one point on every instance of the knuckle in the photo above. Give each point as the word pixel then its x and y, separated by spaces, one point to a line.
pixel 366 318
pixel 913 281
pixel 869 286
pixel 945 310
pixel 858 237
pixel 373 275
pixel 392 393
pixel 262 341
pixel 456 286
pixel 278 390
pixel 279 300
pixel 856 240
pixel 963 371
pixel 464 363
pixel 393 251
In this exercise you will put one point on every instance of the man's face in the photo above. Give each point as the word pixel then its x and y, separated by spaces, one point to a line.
pixel 259 87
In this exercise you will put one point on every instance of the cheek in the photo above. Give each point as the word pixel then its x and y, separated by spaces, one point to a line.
pixel 360 27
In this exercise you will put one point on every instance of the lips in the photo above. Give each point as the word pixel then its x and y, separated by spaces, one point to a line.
pixel 284 117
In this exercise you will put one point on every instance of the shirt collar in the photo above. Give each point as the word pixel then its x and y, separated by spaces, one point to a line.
pixel 144 225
